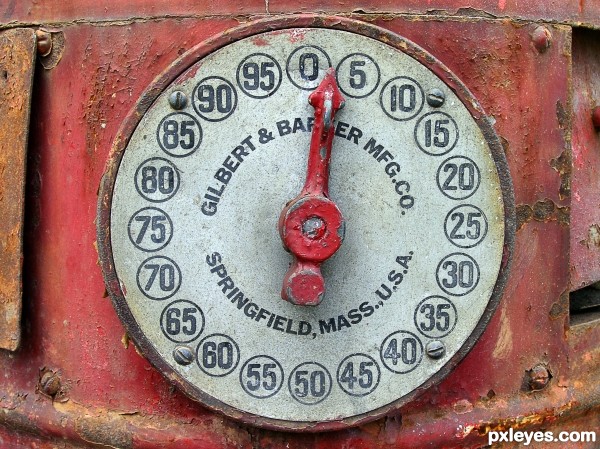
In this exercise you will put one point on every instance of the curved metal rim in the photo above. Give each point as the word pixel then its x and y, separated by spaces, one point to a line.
pixel 177 68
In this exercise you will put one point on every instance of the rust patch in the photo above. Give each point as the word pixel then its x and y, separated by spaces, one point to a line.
pixel 562 115
pixel 118 435
pixel 562 164
pixel 524 214
pixel 593 238
pixel 561 307
pixel 512 423
pixel 463 406
pixel 543 210
pixel 17 56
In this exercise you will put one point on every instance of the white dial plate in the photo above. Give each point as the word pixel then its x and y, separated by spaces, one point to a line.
pixel 198 255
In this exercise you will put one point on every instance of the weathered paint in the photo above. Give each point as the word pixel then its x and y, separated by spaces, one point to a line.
pixel 17 57
pixel 114 397
pixel 585 183
pixel 31 12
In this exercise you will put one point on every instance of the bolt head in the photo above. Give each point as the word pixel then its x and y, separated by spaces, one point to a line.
pixel 178 100
pixel 541 38
pixel 539 376
pixel 183 355
pixel 435 349
pixel 436 97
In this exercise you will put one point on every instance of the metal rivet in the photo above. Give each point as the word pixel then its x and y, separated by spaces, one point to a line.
pixel 538 377
pixel 435 97
pixel 178 100
pixel 435 349
pixel 44 42
pixel 183 355
pixel 596 118
pixel 541 38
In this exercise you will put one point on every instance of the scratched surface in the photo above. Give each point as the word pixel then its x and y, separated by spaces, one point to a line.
pixel 17 53
pixel 111 395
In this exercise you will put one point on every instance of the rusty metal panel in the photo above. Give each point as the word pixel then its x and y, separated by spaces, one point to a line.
pixel 585 210
pixel 17 56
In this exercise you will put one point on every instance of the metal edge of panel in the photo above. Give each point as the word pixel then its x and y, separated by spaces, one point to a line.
pixel 17 64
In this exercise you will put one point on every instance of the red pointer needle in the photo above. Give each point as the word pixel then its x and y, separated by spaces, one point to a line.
pixel 311 226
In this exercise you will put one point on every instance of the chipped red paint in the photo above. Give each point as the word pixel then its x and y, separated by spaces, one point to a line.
pixel 112 396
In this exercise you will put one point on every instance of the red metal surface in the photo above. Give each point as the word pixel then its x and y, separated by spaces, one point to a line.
pixel 17 57
pixel 585 183
pixel 303 284
pixel 110 395
pixel 31 11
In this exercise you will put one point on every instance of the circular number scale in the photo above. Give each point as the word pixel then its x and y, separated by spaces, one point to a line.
pixel 189 239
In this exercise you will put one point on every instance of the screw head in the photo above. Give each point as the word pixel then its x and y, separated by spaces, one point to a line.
pixel 436 97
pixel 541 38
pixel 49 383
pixel 435 349
pixel 539 376
pixel 183 355
pixel 178 100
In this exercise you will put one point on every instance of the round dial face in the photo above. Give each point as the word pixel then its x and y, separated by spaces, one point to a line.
pixel 197 251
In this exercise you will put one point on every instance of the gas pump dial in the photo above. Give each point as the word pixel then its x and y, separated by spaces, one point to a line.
pixel 306 222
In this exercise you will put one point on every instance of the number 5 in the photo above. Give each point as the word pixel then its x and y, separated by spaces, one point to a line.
pixel 473 220
pixel 188 315
pixel 362 76
pixel 266 69
pixel 185 131
pixel 365 370
pixel 300 379
pixel 268 372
